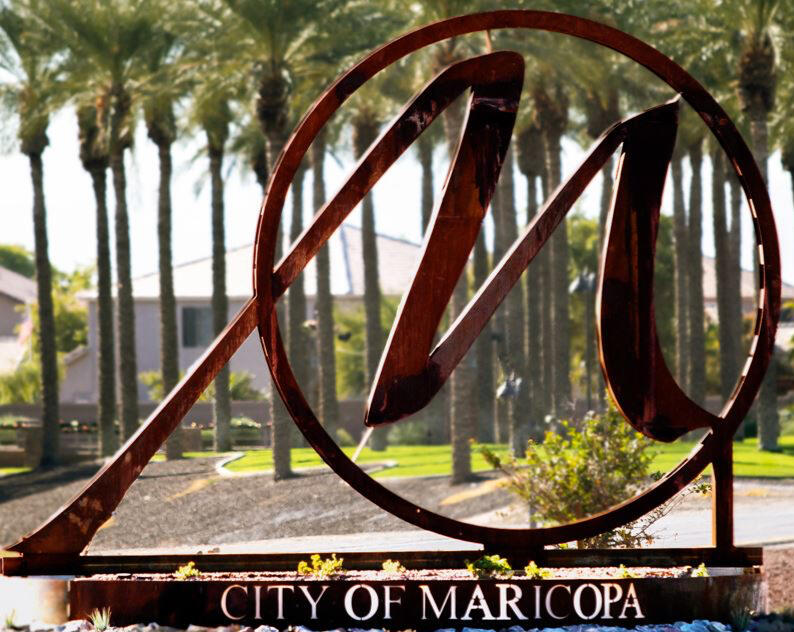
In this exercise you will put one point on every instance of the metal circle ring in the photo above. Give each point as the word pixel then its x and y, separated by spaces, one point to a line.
pixel 751 180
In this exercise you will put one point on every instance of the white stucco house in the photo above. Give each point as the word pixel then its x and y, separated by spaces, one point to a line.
pixel 193 291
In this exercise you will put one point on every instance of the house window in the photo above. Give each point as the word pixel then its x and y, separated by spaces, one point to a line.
pixel 196 326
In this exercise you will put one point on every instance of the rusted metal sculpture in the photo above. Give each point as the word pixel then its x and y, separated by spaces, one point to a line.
pixel 411 370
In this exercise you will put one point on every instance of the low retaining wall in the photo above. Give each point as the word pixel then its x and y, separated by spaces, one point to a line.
pixel 420 603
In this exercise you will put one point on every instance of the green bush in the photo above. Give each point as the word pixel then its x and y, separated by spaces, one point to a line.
pixel 413 432
pixel 241 387
pixel 22 386
pixel 344 439
pixel 583 471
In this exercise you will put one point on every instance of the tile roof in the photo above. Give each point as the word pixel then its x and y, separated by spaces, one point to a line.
pixel 17 286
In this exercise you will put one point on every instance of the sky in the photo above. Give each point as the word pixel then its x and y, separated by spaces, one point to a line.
pixel 71 210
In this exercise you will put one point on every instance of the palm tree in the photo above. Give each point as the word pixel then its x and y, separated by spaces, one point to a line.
pixel 531 163
pixel 213 115
pixel 366 123
pixel 518 410
pixel 757 74
pixel 158 113
pixel 108 45
pixel 27 56
pixel 697 328
pixel 279 41
pixel 728 352
pixel 680 235
pixel 328 404
pixel 95 159
pixel 551 108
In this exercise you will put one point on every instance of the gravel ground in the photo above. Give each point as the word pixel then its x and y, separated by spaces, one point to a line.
pixel 757 625
pixel 187 503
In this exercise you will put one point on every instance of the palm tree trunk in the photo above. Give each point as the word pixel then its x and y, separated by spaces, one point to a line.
pixel 518 408
pixel 534 301
pixel 498 324
pixel 328 403
pixel 483 353
pixel 697 334
pixel 681 265
pixel 425 150
pixel 437 409
pixel 128 371
pixel 297 342
pixel 461 427
pixel 106 363
pixel 169 346
pixel 547 333
pixel 365 130
pixel 768 418
pixel 727 342
pixel 559 291
pixel 47 350
pixel 281 430
pixel 221 409
pixel 607 184
pixel 735 315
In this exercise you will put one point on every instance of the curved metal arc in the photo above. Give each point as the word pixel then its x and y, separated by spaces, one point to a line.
pixel 714 117
pixel 71 528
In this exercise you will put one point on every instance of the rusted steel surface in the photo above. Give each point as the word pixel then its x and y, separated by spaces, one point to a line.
pixel 70 529
pixel 636 374
pixel 86 565
pixel 735 409
pixel 417 603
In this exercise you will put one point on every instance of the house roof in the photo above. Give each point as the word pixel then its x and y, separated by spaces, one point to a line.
pixel 397 259
pixel 17 286
pixel 747 283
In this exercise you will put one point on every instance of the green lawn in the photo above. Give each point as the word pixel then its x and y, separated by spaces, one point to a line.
pixel 428 460
pixel 748 461
pixel 436 459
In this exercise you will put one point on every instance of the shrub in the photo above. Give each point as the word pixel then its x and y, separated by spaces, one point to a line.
pixel 21 386
pixel 490 566
pixel 413 432
pixel 100 619
pixel 240 387
pixel 533 571
pixel 187 571
pixel 393 566
pixel 583 471
pixel 322 568
pixel 344 439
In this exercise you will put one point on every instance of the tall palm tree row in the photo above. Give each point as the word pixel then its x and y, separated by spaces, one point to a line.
pixel 108 45
pixel 124 57
pixel 34 92
pixel 95 159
